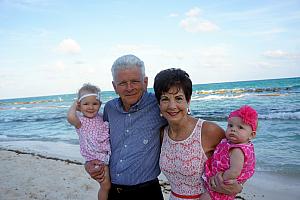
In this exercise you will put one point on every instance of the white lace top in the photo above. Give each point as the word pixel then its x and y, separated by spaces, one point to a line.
pixel 182 162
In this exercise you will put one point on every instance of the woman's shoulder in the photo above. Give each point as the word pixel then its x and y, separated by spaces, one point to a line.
pixel 209 127
pixel 211 135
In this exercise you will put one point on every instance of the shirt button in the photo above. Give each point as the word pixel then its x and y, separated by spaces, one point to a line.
pixel 121 160
pixel 129 115
pixel 127 131
pixel 118 174
pixel 125 145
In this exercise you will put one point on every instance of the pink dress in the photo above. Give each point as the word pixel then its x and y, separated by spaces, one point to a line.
pixel 219 162
pixel 182 162
pixel 94 138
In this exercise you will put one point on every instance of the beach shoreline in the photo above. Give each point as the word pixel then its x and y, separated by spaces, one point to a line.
pixel 35 176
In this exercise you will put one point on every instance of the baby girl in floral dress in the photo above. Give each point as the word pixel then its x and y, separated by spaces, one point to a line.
pixel 93 132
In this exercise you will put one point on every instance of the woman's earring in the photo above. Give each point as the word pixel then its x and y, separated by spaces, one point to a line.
pixel 160 115
pixel 188 111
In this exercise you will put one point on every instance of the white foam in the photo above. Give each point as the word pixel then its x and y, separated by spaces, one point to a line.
pixel 283 115
pixel 216 97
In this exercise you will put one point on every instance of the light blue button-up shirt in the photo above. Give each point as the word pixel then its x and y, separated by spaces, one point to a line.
pixel 135 140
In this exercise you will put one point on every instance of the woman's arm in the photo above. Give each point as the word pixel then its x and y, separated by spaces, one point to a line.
pixel 72 117
pixel 211 135
pixel 231 187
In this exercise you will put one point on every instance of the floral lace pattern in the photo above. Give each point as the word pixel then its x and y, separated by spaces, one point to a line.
pixel 94 139
pixel 182 162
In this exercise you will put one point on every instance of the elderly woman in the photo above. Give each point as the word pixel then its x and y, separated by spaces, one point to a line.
pixel 187 142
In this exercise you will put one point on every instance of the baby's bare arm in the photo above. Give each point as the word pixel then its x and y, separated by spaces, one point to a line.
pixel 72 117
pixel 236 164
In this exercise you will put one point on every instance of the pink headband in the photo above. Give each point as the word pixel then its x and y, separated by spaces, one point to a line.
pixel 248 115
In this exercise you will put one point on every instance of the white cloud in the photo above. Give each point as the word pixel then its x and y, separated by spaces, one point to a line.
pixel 69 46
pixel 214 56
pixel 194 12
pixel 173 15
pixel 280 54
pixel 275 54
pixel 60 66
pixel 217 57
pixel 263 64
pixel 194 24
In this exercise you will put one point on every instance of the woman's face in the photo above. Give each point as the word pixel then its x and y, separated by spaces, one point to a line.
pixel 173 105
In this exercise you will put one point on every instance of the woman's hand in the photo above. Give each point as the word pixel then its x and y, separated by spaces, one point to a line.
pixel 95 169
pixel 229 187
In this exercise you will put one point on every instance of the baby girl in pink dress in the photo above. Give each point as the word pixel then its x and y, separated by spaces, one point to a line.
pixel 93 132
pixel 234 156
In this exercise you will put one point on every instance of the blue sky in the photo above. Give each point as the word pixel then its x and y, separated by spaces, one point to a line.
pixel 54 46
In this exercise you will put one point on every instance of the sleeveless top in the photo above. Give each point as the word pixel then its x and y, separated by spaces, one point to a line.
pixel 220 160
pixel 94 138
pixel 182 162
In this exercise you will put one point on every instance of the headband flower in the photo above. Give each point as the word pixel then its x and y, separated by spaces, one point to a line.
pixel 247 114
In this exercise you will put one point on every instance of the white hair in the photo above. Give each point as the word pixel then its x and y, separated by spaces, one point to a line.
pixel 127 62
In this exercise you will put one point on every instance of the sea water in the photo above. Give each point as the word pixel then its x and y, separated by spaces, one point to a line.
pixel 39 124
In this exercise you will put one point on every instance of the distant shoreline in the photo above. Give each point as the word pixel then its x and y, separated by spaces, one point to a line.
pixel 195 84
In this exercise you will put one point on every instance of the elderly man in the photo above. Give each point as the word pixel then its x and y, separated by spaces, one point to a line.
pixel 134 134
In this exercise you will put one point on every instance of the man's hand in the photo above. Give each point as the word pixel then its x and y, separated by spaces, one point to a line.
pixel 95 169
pixel 229 187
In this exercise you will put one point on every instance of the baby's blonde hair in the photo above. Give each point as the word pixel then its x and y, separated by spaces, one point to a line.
pixel 88 88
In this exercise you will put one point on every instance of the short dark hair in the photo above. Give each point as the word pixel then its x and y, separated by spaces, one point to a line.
pixel 173 77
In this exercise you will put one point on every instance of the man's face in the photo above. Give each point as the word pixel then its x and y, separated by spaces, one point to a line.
pixel 130 86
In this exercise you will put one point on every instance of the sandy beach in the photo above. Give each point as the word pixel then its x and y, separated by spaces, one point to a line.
pixel 27 176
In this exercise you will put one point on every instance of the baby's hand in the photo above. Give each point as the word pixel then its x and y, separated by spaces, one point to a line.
pixel 96 170
pixel 229 181
pixel 77 103
pixel 97 166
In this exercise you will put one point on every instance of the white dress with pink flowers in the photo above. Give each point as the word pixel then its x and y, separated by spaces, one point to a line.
pixel 182 162
pixel 94 138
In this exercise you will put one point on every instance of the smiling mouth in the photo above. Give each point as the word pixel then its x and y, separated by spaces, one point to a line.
pixel 172 113
pixel 129 95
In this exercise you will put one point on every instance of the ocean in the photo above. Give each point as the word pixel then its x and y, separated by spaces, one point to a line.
pixel 39 125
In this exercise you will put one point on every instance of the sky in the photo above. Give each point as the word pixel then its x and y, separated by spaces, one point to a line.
pixel 50 47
